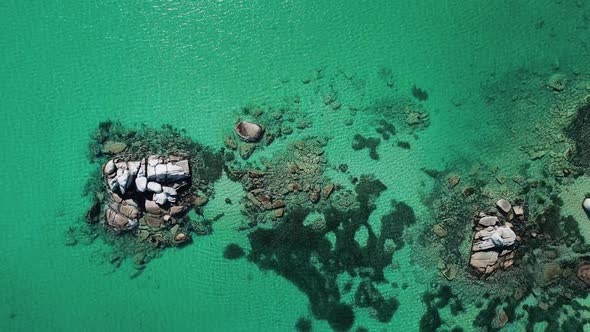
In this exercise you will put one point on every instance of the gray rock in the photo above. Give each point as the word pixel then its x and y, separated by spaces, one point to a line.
pixel 124 180
pixel 504 205
pixel 488 221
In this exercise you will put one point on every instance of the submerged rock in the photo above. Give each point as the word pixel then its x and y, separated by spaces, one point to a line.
pixel 584 273
pixel 248 131
pixel 504 205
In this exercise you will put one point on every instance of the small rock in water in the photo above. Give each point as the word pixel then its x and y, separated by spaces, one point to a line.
pixel 453 181
pixel 439 230
pixel 504 205
pixel 114 147
pixel 586 205
pixel 248 131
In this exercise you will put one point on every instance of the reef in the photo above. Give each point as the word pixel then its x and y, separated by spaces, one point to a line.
pixel 147 181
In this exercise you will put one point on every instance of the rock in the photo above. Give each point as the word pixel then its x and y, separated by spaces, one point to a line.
pixel 141 184
pixel 153 208
pixel 327 191
pixel 508 235
pixel 449 272
pixel 468 191
pixel 504 206
pixel 484 261
pixel 177 209
pixel 182 238
pixel 160 198
pixel 142 235
pixel 117 220
pixel 439 230
pixel 169 191
pixel 154 187
pixel 518 210
pixel 279 212
pixel 586 205
pixel 453 181
pixel 584 273
pixel 551 272
pixel 500 320
pixel 248 131
pixel 557 81
pixel 497 239
pixel 114 147
pixel 246 150
pixel 153 222
pixel 109 168
pixel 163 170
pixel 488 221
pixel 199 201
pixel 314 197
pixel 124 180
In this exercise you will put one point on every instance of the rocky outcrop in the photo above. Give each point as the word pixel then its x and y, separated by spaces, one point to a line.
pixel 494 240
pixel 146 192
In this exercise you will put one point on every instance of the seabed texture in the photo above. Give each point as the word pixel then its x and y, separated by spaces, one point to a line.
pixel 411 166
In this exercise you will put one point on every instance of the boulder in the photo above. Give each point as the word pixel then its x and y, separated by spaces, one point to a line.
pixel 484 261
pixel 507 234
pixel 117 220
pixel 109 168
pixel 584 273
pixel 248 131
pixel 162 170
pixel 160 198
pixel 488 221
pixel 518 210
pixel 154 187
pixel 439 230
pixel 453 181
pixel 141 184
pixel 124 180
pixel 586 205
pixel 153 208
pixel 504 205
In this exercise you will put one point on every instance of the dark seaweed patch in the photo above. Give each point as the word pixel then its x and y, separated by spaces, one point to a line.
pixel 403 144
pixel 393 224
pixel 303 325
pixel 371 143
pixel 419 94
pixel 579 131
pixel 233 251
pixel 341 317
pixel 386 129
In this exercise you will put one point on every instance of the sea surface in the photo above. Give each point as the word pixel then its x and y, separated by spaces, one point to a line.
pixel 67 65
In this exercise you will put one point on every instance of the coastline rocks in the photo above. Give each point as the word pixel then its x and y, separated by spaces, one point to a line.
pixel 248 131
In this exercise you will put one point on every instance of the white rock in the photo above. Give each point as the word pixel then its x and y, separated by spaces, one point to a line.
pixel 141 184
pixel 169 191
pixel 508 235
pixel 154 187
pixel 160 198
pixel 504 205
pixel 123 181
pixel 586 205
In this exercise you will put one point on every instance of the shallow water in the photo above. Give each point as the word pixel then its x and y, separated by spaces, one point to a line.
pixel 67 66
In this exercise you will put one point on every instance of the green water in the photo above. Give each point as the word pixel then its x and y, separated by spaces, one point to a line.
pixel 65 66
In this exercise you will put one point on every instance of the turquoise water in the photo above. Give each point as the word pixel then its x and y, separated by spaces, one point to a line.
pixel 67 66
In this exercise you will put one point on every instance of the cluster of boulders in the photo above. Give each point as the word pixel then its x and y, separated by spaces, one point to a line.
pixel 145 195
pixel 294 178
pixel 494 240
